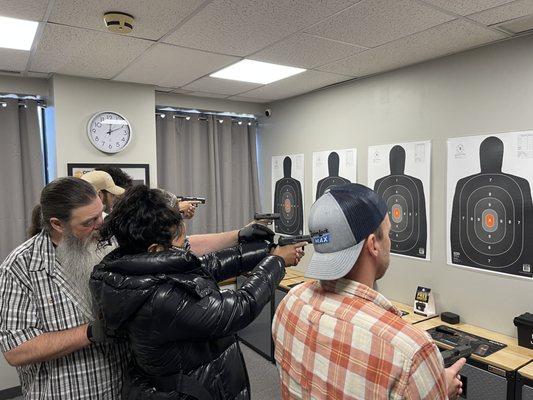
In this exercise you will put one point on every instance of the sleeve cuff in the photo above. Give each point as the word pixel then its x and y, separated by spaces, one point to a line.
pixel 11 339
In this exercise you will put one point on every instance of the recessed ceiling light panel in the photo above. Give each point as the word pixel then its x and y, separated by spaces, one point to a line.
pixel 256 72
pixel 16 33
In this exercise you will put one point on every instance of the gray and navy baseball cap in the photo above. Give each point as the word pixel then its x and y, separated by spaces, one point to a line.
pixel 339 222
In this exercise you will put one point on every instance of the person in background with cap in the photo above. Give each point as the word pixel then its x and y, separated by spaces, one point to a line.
pixel 201 244
pixel 338 338
pixel 106 188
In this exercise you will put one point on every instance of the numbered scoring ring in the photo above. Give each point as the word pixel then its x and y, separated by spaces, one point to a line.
pixel 491 226
pixel 402 198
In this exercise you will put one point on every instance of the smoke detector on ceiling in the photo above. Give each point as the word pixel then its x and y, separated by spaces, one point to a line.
pixel 119 22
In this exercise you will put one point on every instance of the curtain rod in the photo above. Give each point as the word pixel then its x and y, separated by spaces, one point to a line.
pixel 21 97
pixel 205 112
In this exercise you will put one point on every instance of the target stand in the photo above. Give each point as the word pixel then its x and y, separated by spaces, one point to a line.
pixel 406 207
pixel 491 223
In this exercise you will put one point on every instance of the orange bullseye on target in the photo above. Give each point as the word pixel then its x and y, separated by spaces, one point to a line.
pixel 489 220
pixel 287 206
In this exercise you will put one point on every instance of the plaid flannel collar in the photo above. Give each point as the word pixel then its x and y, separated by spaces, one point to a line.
pixel 347 287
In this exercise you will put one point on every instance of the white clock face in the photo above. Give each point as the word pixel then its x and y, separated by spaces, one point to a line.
pixel 109 132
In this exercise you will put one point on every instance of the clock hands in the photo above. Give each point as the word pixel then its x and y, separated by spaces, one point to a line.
pixel 113 130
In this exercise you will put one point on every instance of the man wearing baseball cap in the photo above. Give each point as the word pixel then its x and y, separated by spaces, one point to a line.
pixel 106 188
pixel 338 338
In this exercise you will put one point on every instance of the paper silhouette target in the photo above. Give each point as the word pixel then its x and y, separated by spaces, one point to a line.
pixel 491 223
pixel 288 200
pixel 404 194
pixel 333 168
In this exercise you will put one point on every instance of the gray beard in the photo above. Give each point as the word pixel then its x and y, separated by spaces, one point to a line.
pixel 78 258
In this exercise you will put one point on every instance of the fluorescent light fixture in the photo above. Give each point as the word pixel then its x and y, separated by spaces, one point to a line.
pixel 256 72
pixel 17 34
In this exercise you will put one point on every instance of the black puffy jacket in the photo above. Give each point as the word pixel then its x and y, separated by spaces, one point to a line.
pixel 180 325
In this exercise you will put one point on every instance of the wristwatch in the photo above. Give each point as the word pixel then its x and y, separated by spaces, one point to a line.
pixel 90 332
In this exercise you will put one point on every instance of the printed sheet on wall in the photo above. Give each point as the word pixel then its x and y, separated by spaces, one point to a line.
pixel 333 168
pixel 401 173
pixel 287 189
pixel 490 212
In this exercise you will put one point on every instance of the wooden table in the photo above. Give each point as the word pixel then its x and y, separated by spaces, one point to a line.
pixel 527 371
pixel 511 358
pixel 412 318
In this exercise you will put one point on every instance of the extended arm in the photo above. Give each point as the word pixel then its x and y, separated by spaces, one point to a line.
pixel 221 312
pixel 210 242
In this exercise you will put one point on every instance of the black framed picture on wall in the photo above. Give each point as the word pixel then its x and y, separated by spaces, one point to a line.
pixel 140 173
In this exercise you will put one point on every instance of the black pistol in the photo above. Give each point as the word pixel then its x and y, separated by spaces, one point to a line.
pixel 269 216
pixel 200 200
pixel 452 355
pixel 285 240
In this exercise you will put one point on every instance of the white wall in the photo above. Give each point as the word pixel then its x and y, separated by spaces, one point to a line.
pixel 76 100
pixel 19 85
pixel 486 90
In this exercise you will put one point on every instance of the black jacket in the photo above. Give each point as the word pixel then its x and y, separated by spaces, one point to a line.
pixel 180 325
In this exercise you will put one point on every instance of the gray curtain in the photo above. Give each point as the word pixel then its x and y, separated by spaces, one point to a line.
pixel 206 158
pixel 21 170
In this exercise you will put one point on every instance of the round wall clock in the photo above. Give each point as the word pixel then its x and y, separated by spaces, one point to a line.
pixel 109 131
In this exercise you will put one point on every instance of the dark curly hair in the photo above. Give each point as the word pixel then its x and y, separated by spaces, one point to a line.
pixel 140 218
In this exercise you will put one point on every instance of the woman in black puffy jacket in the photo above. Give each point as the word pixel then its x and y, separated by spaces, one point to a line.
pixel 166 302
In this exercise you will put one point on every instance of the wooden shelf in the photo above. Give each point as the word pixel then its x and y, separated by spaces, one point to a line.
pixel 510 358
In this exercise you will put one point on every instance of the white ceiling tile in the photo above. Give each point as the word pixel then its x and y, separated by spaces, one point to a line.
pixel 297 84
pixel 166 65
pixel 241 27
pixel 221 86
pixel 448 38
pixel 153 19
pixel 306 51
pixel 371 23
pixel 507 12
pixel 465 7
pixel 13 60
pixel 249 99
pixel 206 94
pixel 33 10
pixel 82 52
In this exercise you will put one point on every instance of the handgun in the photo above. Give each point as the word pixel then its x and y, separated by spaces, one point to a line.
pixel 452 355
pixel 200 200
pixel 269 216
pixel 285 240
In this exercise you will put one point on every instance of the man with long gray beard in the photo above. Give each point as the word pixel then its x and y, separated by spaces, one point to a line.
pixel 47 328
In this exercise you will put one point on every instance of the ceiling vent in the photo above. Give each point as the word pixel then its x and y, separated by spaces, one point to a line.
pixel 516 26
pixel 119 22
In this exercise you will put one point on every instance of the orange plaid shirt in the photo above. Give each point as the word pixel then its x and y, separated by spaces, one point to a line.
pixel 342 340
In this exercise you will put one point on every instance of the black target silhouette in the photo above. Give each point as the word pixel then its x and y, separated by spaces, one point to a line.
pixel 492 217
pixel 288 202
pixel 333 179
pixel 406 204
